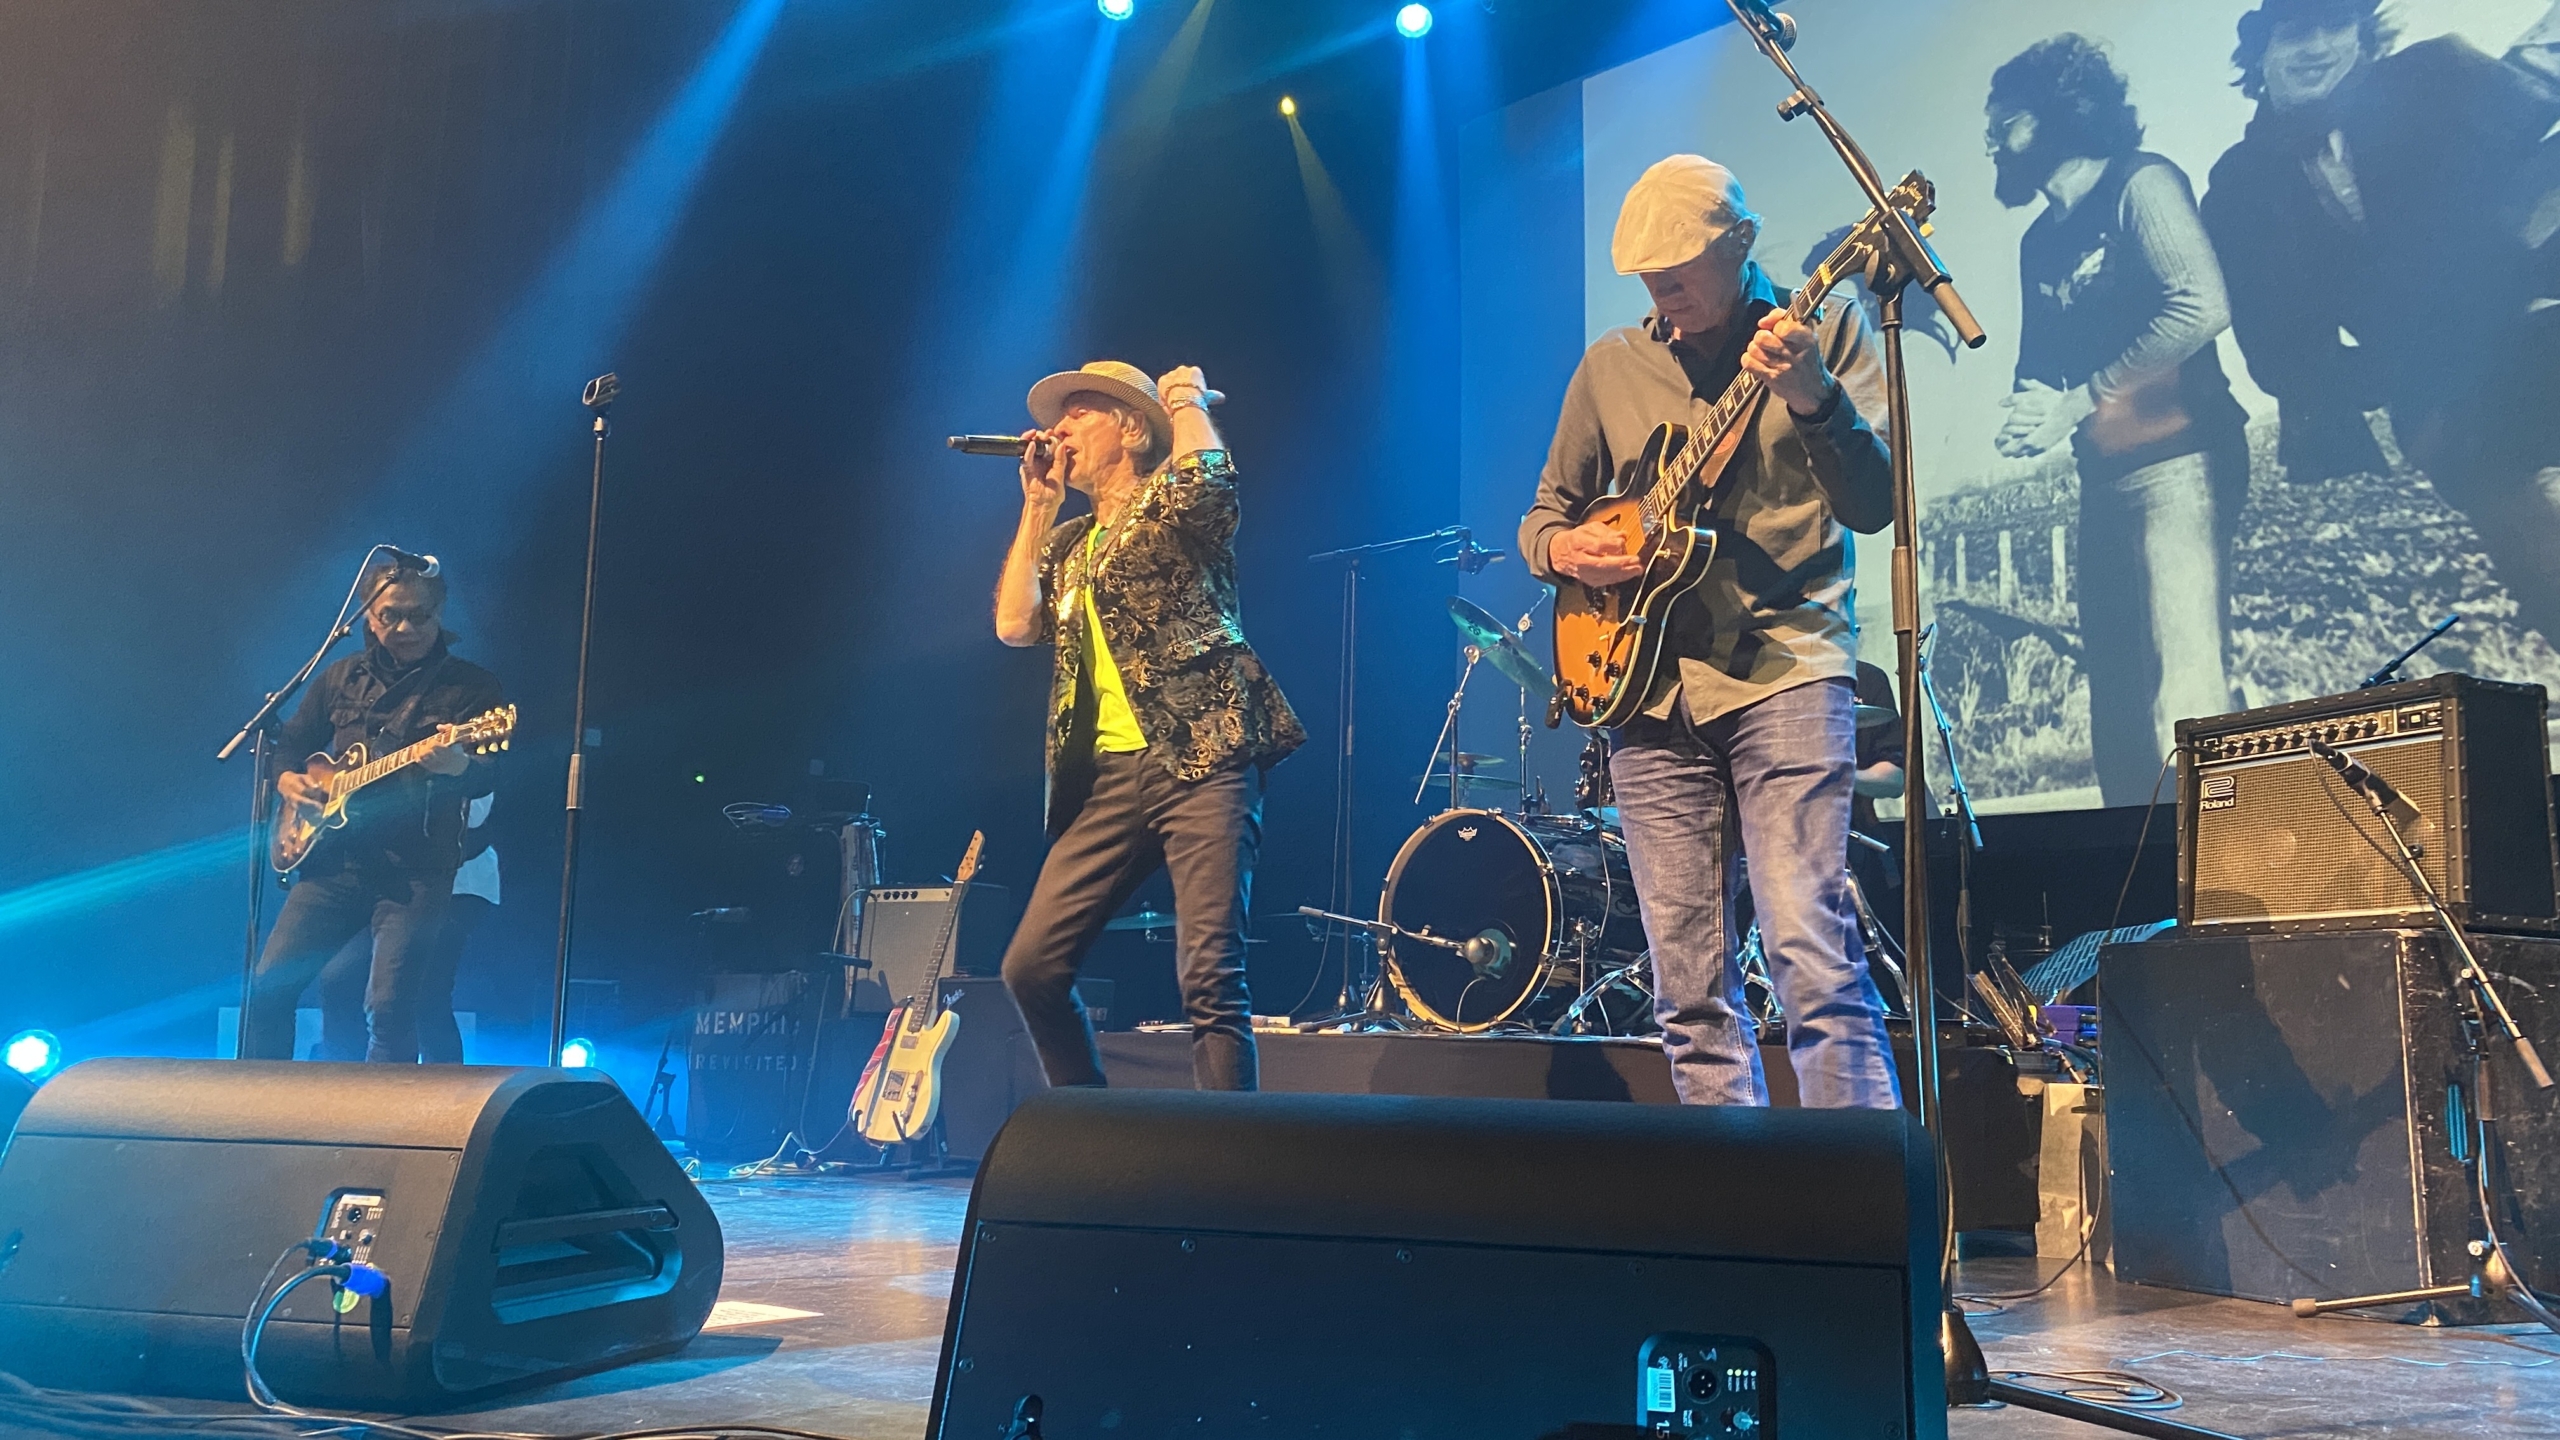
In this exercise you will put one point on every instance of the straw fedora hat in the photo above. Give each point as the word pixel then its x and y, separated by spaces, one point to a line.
pixel 1113 380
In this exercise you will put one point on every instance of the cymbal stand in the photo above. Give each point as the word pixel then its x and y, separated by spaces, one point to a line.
pixel 1447 739
pixel 1908 260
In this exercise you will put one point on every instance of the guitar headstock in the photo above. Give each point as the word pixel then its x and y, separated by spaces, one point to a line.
pixel 968 870
pixel 486 734
pixel 1866 250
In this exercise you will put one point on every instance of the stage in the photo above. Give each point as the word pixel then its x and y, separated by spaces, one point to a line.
pixel 869 1260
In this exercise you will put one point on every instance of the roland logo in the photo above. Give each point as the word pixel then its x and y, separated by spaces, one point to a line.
pixel 2220 792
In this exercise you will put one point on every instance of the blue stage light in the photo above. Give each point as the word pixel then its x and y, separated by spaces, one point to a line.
pixel 578 1054
pixel 1116 9
pixel 1413 21
pixel 33 1053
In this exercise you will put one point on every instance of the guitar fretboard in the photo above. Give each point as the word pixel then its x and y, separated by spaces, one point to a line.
pixel 1680 469
pixel 350 781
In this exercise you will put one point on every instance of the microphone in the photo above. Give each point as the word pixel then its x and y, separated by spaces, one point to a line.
pixel 1008 445
pixel 1761 16
pixel 2372 786
pixel 421 564
pixel 601 392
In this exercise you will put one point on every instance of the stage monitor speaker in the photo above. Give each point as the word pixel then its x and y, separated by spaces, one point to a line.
pixel 2271 838
pixel 530 1225
pixel 2283 1111
pixel 1171 1262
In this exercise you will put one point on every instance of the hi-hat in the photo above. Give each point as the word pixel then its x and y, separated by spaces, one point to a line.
pixel 1871 716
pixel 1501 648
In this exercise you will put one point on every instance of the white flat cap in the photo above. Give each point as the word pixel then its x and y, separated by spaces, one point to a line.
pixel 1674 212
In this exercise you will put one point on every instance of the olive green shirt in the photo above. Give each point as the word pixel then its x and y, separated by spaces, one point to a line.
pixel 1777 608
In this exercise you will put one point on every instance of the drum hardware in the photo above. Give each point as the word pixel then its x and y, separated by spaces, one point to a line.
pixel 1556 889
pixel 1503 647
pixel 1871 716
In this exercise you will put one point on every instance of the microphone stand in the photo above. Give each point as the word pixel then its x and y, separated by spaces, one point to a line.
pixel 1969 832
pixel 256 733
pixel 1968 1379
pixel 2486 1019
pixel 2390 670
pixel 1358 1003
pixel 600 394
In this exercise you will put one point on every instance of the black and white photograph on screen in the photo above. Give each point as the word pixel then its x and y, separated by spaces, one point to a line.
pixel 2267 394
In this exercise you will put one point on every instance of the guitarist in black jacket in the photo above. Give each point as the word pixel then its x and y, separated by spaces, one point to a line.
pixel 1750 729
pixel 390 871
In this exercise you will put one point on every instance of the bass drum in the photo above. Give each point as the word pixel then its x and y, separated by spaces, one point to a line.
pixel 1550 902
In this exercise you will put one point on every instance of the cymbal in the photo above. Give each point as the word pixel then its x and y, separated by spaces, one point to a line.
pixel 1143 920
pixel 1489 782
pixel 1871 716
pixel 1501 648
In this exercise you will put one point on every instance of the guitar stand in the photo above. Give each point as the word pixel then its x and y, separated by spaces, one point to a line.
pixel 926 1157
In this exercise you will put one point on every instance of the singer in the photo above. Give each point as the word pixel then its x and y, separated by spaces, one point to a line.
pixel 389 874
pixel 1162 720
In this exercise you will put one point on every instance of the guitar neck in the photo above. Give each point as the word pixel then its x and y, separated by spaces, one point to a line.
pixel 351 781
pixel 1728 411
pixel 929 1004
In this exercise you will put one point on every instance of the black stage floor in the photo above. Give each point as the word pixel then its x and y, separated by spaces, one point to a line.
pixel 867 1261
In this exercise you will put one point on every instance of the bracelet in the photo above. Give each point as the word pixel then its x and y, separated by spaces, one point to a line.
pixel 1829 407
pixel 1193 401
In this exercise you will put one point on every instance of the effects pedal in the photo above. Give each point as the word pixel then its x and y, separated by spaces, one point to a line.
pixel 1706 1387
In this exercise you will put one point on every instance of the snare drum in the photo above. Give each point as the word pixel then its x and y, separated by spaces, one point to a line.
pixel 1555 889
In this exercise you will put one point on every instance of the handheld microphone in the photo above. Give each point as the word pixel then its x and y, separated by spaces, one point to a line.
pixel 421 564
pixel 2372 786
pixel 1007 445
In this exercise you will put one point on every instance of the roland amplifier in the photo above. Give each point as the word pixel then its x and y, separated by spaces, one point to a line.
pixel 2271 838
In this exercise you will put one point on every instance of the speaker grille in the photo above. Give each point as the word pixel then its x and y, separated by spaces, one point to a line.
pixel 2285 838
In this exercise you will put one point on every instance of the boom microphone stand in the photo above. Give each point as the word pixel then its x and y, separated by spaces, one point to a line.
pixel 600 394
pixel 2486 1019
pixel 1908 259
pixel 259 729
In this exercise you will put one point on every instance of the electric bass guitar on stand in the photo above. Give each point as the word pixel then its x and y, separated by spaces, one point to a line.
pixel 1609 638
pixel 901 1091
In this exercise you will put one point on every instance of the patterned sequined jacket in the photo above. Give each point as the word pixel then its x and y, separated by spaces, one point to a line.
pixel 1164 584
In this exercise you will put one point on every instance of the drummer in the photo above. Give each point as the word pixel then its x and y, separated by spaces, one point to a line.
pixel 1879 776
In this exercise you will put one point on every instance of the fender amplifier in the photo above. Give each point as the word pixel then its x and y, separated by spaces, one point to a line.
pixel 2272 838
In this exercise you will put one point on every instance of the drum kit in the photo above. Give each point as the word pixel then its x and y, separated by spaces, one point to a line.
pixel 1524 920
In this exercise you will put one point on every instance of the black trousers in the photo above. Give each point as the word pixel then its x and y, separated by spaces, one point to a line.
pixel 1140 819
pixel 344 1027
pixel 404 913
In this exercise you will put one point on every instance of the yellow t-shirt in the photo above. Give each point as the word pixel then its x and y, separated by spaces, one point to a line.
pixel 1115 726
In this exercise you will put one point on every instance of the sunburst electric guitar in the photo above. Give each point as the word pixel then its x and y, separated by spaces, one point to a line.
pixel 302 824
pixel 1609 638
pixel 901 1089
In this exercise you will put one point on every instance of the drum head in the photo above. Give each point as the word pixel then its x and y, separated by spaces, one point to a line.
pixel 1466 874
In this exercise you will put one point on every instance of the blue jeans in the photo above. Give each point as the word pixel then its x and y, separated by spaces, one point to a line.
pixel 1778 774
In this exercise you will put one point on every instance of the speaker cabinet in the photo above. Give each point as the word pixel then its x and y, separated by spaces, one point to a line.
pixel 900 928
pixel 1176 1263
pixel 530 1225
pixel 2271 838
pixel 2282 1112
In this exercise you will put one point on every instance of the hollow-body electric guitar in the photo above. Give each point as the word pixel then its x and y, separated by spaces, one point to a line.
pixel 302 824
pixel 901 1089
pixel 1609 638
